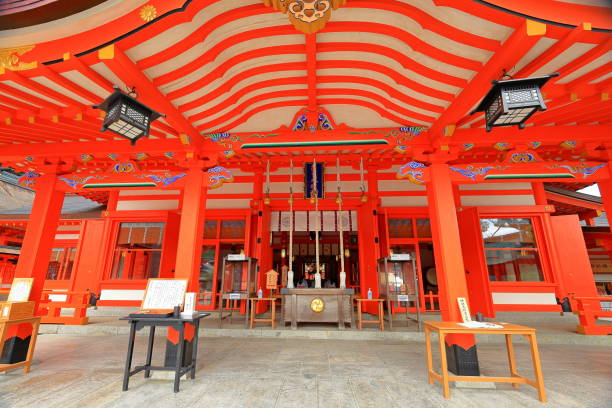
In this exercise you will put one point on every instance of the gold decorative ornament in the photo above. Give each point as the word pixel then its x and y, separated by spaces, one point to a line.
pixel 307 16
pixel 317 305
pixel 148 12
pixel 9 59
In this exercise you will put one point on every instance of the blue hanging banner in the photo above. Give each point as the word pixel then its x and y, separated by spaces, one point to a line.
pixel 308 180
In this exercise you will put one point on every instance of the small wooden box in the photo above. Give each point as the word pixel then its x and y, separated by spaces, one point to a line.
pixel 16 310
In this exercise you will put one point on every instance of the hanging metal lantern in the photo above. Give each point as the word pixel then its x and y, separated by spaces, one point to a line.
pixel 513 101
pixel 126 116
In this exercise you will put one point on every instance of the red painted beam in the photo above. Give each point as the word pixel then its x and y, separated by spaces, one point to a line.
pixel 311 69
pixel 428 22
pixel 551 53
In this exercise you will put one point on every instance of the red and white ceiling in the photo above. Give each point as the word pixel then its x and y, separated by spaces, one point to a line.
pixel 239 66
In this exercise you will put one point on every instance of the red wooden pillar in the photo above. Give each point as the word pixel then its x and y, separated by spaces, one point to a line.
pixel 460 349
pixel 191 229
pixel 369 250
pixel 40 234
pixel 188 253
pixel 34 258
pixel 605 189
pixel 539 194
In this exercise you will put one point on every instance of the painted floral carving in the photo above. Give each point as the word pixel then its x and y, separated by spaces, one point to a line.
pixel 412 171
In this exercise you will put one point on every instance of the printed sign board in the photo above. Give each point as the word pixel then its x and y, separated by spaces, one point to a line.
pixel 400 257
pixel 236 257
pixel 163 295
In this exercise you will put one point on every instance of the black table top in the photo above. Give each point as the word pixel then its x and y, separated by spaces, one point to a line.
pixel 169 319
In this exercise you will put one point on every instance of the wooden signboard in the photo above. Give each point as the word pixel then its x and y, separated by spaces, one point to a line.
pixel 190 302
pixel 271 279
pixel 464 309
pixel 162 295
pixel 20 290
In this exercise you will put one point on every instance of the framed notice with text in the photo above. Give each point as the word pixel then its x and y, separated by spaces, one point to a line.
pixel 163 295
pixel 20 290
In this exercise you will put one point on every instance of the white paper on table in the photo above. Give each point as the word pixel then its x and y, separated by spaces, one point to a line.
pixel 480 325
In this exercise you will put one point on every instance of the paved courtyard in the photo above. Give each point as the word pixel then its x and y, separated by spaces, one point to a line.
pixel 86 371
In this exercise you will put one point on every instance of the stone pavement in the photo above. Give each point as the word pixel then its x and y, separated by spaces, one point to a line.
pixel 86 371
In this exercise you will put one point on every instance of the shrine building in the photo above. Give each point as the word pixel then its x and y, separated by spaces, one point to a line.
pixel 298 133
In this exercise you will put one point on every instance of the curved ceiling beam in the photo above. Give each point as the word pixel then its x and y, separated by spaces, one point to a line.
pixel 322 64
pixel 328 101
pixel 397 77
pixel 297 49
pixel 227 116
pixel 428 22
pixel 246 116
pixel 390 91
pixel 236 110
pixel 422 18
pixel 212 53
pixel 410 39
pixel 235 97
pixel 200 34
pixel 227 86
pixel 402 59
pixel 383 101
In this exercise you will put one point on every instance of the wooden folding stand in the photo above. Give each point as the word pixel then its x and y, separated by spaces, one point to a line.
pixel 4 325
pixel 444 328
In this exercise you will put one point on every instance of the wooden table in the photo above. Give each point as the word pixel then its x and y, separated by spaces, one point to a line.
pixel 4 325
pixel 380 313
pixel 178 324
pixel 444 328
pixel 272 319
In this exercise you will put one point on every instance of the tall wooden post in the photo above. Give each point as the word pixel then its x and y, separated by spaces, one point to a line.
pixel 191 229
pixel 188 253
pixel 34 259
pixel 460 349
pixel 369 251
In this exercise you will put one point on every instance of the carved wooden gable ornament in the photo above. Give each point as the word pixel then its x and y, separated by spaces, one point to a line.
pixel 307 16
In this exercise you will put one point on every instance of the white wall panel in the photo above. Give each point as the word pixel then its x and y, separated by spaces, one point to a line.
pixel 488 200
pixel 495 186
pixel 500 298
pixel 228 204
pixel 130 205
pixel 404 201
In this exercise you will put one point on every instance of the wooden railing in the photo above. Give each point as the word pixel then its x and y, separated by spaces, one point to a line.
pixel 588 314
pixel 51 310
pixel 431 302
pixel 79 301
